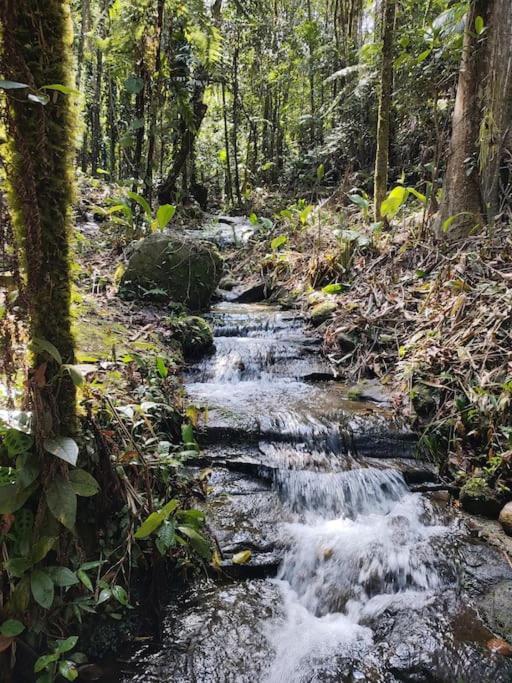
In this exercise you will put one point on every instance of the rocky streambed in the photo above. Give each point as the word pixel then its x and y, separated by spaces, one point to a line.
pixel 352 575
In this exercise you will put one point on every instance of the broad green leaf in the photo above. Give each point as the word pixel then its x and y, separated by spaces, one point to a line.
pixel 359 201
pixel 149 525
pixel 61 499
pixel 44 661
pixel 68 670
pixel 12 497
pixel 320 172
pixel 333 288
pixel 155 519
pixel 43 345
pixel 278 242
pixel 41 548
pixel 242 557
pixel 62 576
pixel 75 374
pixel 134 85
pixel 253 219
pixel 104 596
pixel 161 367
pixel 66 645
pixel 84 578
pixel 18 566
pixel 394 202
pixel 64 447
pixel 141 202
pixel 187 435
pixel 479 25
pixel 17 442
pixel 164 215
pixel 447 224
pixel 83 483
pixel 418 195
pixel 120 595
pixel 197 541
pixel 38 99
pixel 12 85
pixel 12 628
pixel 42 588
pixel 28 468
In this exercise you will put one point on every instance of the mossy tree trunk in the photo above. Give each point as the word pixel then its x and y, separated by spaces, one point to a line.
pixel 385 102
pixel 37 50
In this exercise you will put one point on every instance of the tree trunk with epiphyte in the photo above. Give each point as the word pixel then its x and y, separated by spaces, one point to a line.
pixel 37 50
pixel 385 103
pixel 481 121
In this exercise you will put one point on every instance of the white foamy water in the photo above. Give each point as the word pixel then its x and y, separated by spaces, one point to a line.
pixel 362 544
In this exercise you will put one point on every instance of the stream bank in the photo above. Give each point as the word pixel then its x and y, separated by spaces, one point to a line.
pixel 349 574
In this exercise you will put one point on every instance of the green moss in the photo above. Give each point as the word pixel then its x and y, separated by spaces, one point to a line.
pixel 37 50
pixel 478 497
pixel 322 312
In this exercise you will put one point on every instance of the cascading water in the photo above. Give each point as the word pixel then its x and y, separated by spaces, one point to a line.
pixel 368 581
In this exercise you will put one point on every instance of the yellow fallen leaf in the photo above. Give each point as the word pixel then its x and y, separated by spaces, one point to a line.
pixel 242 557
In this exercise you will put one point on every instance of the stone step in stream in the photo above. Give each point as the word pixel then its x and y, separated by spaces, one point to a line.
pixel 352 575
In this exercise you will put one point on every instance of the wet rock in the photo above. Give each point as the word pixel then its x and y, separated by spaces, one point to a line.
pixel 250 294
pixel 346 342
pixel 164 266
pixel 506 518
pixel 368 390
pixel 495 608
pixel 322 312
pixel 227 283
pixel 477 497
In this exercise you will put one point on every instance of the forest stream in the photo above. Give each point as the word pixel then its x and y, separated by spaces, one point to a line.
pixel 352 575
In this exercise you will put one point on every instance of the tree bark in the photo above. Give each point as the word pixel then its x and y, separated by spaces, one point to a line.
pixel 462 203
pixel 188 133
pixel 37 49
pixel 385 102
pixel 154 103
pixel 497 102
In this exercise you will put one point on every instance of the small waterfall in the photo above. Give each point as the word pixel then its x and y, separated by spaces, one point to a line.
pixel 362 544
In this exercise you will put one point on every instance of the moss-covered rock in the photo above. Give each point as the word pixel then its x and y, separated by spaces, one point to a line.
pixel 321 312
pixel 423 400
pixel 194 335
pixel 477 497
pixel 169 267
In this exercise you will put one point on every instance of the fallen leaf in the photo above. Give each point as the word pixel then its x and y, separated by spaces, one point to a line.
pixel 499 646
pixel 242 557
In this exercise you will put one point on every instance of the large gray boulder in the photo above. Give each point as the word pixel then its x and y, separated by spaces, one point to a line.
pixel 167 266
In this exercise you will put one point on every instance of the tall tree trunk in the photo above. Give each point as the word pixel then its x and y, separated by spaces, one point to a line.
pixel 140 107
pixel 188 134
pixel 85 21
pixel 462 203
pixel 154 103
pixel 96 136
pixel 229 179
pixel 385 102
pixel 37 49
pixel 497 103
pixel 112 125
pixel 235 126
